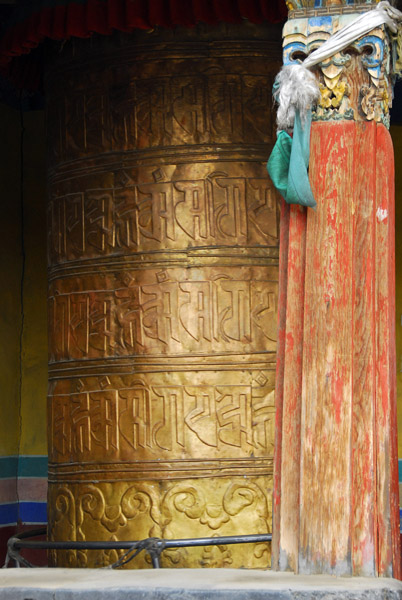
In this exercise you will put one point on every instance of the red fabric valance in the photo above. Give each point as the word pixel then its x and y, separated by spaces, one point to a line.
pixel 83 18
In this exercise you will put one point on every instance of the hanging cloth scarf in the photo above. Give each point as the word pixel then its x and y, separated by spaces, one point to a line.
pixel 288 163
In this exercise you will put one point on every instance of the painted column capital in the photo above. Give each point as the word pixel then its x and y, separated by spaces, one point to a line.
pixel 330 5
pixel 356 83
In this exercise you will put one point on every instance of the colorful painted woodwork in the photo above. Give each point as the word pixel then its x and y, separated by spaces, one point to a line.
pixel 335 482
pixel 330 6
pixel 163 255
pixel 356 84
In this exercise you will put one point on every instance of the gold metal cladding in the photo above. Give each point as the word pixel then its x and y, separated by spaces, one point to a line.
pixel 166 417
pixel 127 510
pixel 163 270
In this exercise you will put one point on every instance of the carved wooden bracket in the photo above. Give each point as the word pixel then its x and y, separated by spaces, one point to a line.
pixel 336 5
pixel 356 84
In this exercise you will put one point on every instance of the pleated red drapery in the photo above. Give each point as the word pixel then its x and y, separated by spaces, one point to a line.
pixel 82 19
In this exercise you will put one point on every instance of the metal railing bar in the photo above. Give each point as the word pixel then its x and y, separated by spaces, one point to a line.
pixel 125 545
pixel 153 546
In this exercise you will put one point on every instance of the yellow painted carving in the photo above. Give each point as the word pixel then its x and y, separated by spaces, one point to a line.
pixel 334 96
pixel 385 98
pixel 325 99
pixel 340 90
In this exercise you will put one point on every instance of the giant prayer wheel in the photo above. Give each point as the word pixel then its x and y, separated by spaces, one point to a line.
pixel 163 287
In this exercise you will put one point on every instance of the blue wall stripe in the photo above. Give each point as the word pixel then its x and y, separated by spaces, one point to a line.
pixel 8 514
pixel 400 473
pixel 33 512
pixel 25 466
pixel 29 512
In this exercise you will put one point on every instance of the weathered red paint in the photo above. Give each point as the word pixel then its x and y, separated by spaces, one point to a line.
pixel 387 454
pixel 288 388
pixel 336 496
pixel 282 294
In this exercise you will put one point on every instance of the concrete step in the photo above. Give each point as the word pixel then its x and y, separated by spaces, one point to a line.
pixel 188 584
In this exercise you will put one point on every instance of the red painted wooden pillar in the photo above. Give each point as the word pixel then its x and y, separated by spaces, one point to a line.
pixel 336 479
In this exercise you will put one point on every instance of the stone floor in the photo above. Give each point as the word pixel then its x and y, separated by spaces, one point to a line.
pixel 187 584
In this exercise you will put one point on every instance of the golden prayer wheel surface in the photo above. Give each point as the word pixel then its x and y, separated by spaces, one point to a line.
pixel 163 256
